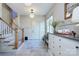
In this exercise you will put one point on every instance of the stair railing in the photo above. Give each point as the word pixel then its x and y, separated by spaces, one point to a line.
pixel 7 30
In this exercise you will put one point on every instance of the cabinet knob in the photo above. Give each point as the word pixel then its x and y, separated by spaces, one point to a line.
pixel 59 53
pixel 77 46
pixel 59 39
pixel 53 54
pixel 59 46
pixel 53 47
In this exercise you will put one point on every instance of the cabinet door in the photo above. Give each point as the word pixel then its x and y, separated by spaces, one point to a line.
pixel 68 47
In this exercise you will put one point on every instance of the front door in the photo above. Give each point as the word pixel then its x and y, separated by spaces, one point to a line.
pixel 35 30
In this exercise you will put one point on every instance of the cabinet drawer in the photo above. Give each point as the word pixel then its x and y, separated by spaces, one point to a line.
pixel 64 53
pixel 60 46
pixel 69 52
pixel 57 53
pixel 68 44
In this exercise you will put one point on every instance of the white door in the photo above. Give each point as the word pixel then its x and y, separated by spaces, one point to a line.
pixel 35 31
pixel 38 29
pixel 33 28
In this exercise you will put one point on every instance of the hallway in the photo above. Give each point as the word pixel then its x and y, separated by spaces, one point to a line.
pixel 32 47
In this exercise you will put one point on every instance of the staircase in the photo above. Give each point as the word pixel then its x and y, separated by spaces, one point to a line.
pixel 10 38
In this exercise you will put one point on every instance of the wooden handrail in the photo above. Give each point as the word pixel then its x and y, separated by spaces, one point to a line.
pixel 10 25
pixel 7 23
pixel 17 26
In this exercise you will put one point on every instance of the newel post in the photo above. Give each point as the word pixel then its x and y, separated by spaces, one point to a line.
pixel 16 38
pixel 22 35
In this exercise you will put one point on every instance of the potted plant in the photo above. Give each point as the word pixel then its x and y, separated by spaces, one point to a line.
pixel 54 25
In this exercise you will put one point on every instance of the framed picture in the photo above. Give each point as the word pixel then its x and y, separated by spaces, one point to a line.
pixel 68 9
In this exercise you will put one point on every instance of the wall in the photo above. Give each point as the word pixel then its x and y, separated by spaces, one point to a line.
pixel 50 12
pixel 58 14
pixel 34 28
pixel 0 10
pixel 57 11
pixel 6 13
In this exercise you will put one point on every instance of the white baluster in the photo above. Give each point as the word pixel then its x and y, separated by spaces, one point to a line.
pixel 0 30
pixel 0 26
pixel 3 29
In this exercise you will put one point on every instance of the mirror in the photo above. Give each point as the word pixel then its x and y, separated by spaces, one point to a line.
pixel 75 15
pixel 69 9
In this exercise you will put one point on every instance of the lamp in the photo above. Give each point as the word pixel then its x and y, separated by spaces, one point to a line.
pixel 32 13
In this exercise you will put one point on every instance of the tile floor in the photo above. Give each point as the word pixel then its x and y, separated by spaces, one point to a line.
pixel 31 47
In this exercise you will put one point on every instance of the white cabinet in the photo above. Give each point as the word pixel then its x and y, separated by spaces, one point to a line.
pixel 60 46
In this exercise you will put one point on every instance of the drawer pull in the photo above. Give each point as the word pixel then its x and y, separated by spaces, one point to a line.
pixel 59 53
pixel 77 46
pixel 53 54
pixel 59 39
pixel 59 46
pixel 53 47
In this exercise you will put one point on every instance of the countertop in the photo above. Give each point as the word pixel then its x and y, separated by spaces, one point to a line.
pixel 68 36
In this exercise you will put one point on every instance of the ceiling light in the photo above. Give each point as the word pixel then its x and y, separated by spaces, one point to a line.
pixel 28 4
pixel 32 13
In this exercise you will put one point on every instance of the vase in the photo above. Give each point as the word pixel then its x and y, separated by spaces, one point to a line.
pixel 54 31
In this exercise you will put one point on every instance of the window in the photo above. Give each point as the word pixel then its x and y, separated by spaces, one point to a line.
pixel 49 22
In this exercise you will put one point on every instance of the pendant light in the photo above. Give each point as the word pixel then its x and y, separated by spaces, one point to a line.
pixel 32 13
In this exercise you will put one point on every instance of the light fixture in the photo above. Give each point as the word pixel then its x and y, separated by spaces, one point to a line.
pixel 32 13
pixel 28 4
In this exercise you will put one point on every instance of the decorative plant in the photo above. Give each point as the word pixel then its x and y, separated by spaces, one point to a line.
pixel 54 24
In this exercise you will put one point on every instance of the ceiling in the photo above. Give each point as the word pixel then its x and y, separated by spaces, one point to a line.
pixel 39 8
